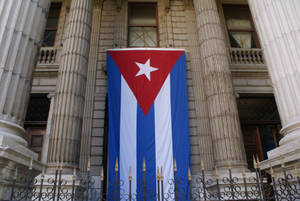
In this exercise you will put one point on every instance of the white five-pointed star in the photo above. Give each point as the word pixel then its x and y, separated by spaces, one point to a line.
pixel 145 69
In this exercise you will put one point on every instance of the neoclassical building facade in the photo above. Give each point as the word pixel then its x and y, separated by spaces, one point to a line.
pixel 242 75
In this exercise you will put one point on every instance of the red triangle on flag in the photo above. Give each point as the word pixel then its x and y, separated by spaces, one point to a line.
pixel 145 71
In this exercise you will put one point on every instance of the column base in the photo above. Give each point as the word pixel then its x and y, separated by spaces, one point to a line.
pixel 13 131
pixel 236 164
pixel 291 132
pixel 288 151
pixel 15 156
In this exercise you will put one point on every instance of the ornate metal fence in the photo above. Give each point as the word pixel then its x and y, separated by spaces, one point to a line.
pixel 253 186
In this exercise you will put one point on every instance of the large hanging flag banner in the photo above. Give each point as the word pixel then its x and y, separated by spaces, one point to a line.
pixel 148 120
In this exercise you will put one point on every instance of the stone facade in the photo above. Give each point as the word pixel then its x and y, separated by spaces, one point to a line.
pixel 177 29
pixel 214 77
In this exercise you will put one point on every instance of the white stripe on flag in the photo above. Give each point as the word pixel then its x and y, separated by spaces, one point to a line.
pixel 128 136
pixel 163 133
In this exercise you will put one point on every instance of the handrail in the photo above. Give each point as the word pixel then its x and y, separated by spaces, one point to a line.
pixel 246 56
pixel 49 55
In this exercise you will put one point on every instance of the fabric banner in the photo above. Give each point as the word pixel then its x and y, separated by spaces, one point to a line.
pixel 148 119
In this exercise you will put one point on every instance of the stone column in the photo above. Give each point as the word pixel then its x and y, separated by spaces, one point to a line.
pixel 222 108
pixel 68 111
pixel 278 25
pixel 46 139
pixel 204 140
pixel 85 149
pixel 22 25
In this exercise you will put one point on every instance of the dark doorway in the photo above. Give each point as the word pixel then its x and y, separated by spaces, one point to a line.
pixel 260 124
pixel 36 121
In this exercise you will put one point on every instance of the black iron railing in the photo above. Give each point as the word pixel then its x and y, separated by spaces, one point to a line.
pixel 204 187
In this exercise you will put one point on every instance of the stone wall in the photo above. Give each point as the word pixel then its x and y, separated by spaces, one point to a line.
pixel 107 38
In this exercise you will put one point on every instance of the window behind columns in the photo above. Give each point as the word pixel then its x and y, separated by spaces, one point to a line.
pixel 51 25
pixel 142 25
pixel 36 121
pixel 240 26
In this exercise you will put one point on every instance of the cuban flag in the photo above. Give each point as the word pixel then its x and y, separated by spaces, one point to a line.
pixel 148 120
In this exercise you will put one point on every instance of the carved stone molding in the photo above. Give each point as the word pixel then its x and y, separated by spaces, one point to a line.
pixel 119 5
pixel 167 5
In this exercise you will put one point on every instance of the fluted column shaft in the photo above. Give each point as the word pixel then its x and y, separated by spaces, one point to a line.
pixel 69 105
pixel 86 134
pixel 204 140
pixel 278 25
pixel 22 25
pixel 46 137
pixel 222 108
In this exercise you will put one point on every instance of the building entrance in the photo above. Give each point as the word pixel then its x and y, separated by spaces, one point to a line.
pixel 260 125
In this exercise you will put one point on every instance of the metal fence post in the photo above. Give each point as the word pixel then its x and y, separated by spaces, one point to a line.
pixel 59 182
pixel 158 188
pixel 129 180
pixel 286 179
pixel 162 184
pixel 28 182
pixel 218 184
pixel 55 180
pixel 175 180
pixel 14 184
pixel 41 184
pixel 203 181
pixel 73 184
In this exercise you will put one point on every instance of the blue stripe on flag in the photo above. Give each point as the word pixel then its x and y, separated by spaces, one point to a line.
pixel 114 102
pixel 146 150
pixel 180 125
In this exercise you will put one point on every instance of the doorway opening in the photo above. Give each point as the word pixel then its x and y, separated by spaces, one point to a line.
pixel 260 124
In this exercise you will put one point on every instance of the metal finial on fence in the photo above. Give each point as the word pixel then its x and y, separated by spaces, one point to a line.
pixel 157 174
pixel 144 165
pixel 202 165
pixel 56 167
pixel 297 171
pixel 43 172
pixel 258 162
pixel 254 162
pixel 228 164
pixel 116 165
pixel 216 173
pixel 129 174
pixel 16 173
pixel 101 174
pixel 61 165
pixel 74 174
pixel 189 175
pixel 282 162
pixel 271 171
pixel 30 165
pixel 88 165
pixel 175 165
pixel 243 172
pixel 161 174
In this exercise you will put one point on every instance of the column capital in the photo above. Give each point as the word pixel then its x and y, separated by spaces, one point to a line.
pixel 51 95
